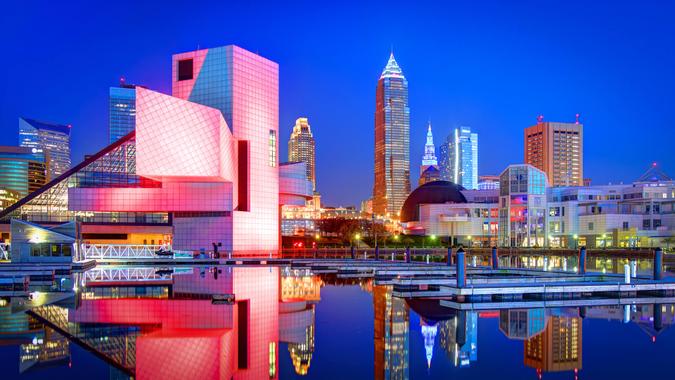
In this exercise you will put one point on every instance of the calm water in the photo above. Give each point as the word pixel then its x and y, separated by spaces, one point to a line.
pixel 162 323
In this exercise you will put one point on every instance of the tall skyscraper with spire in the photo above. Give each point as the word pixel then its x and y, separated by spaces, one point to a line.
pixel 392 141
pixel 301 148
pixel 429 158
pixel 429 169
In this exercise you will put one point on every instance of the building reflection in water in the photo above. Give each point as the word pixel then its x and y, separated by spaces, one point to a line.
pixel 429 331
pixel 39 345
pixel 51 348
pixel 391 329
pixel 652 319
pixel 299 293
pixel 459 338
pixel 557 348
pixel 166 325
pixel 522 324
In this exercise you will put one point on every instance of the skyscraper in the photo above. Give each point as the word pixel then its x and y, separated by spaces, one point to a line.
pixel 392 141
pixel 557 149
pixel 459 158
pixel 22 170
pixel 122 113
pixel 429 158
pixel 301 148
pixel 51 139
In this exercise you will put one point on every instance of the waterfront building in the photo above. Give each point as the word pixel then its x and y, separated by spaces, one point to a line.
pixel 32 243
pixel 122 111
pixel 198 170
pixel 638 214
pixel 51 139
pixel 392 141
pixel 459 158
pixel 298 218
pixel 22 170
pixel 244 87
pixel 301 148
pixel 488 182
pixel 442 208
pixel 522 207
pixel 557 149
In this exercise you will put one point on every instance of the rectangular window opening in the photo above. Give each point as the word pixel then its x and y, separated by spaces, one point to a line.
pixel 243 176
pixel 185 69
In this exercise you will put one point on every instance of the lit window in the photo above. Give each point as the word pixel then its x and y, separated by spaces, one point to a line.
pixel 272 149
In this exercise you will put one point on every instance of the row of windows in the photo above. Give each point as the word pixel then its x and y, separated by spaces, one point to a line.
pixel 51 250
pixel 201 214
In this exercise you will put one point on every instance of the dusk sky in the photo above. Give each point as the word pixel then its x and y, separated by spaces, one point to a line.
pixel 493 66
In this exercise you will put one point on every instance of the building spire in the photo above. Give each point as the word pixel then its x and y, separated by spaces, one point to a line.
pixel 392 70
pixel 429 158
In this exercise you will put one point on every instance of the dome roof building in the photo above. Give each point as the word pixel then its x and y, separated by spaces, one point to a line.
pixel 435 192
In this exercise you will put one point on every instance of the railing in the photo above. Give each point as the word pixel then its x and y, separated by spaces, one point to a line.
pixel 122 274
pixel 4 251
pixel 121 251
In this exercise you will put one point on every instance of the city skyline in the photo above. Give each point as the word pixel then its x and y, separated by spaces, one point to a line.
pixel 451 64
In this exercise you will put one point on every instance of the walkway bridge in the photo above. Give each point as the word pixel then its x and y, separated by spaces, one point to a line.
pixel 130 252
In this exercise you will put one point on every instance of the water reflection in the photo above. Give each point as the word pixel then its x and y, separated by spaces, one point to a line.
pixel 177 323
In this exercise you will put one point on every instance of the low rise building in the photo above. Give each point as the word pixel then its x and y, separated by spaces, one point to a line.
pixel 526 212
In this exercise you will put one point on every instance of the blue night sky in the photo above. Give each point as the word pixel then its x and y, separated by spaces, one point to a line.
pixel 489 65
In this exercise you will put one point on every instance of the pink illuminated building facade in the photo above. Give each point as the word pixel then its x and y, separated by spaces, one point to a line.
pixel 202 163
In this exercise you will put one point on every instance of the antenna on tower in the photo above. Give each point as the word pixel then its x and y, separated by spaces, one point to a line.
pixel 540 118
pixel 122 81
pixel 577 116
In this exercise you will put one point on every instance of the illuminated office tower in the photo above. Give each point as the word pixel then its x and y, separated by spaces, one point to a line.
pixel 21 171
pixel 557 149
pixel 51 139
pixel 392 141
pixel 459 158
pixel 122 113
pixel 557 348
pixel 301 148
